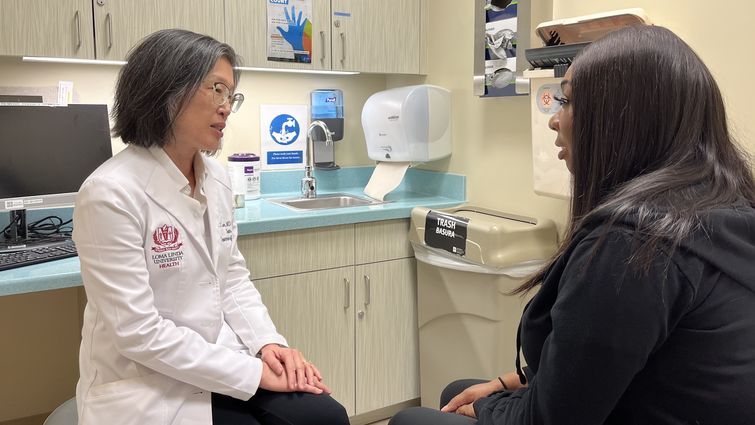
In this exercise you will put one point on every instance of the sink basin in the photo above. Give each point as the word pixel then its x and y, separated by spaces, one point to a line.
pixel 325 201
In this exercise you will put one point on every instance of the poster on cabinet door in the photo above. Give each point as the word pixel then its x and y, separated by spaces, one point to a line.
pixel 289 30
pixel 283 136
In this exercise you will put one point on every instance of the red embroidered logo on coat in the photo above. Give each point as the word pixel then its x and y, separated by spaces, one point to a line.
pixel 166 239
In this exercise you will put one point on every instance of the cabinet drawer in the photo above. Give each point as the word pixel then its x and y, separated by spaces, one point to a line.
pixel 298 251
pixel 382 240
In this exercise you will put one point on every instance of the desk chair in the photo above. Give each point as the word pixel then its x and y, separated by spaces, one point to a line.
pixel 65 414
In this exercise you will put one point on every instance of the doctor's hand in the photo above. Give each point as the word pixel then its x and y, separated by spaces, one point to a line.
pixel 462 403
pixel 290 364
pixel 272 381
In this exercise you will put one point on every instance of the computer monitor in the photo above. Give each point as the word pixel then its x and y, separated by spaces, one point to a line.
pixel 46 153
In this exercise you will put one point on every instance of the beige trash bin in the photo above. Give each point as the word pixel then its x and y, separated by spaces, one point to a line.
pixel 467 259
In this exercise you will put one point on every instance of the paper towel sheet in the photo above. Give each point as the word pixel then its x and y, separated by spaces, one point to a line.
pixel 386 177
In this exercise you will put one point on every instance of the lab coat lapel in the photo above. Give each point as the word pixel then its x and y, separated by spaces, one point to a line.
pixel 163 191
pixel 213 209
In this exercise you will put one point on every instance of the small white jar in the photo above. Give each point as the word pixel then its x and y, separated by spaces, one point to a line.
pixel 244 172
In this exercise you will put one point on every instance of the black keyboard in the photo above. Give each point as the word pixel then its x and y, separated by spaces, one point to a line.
pixel 38 254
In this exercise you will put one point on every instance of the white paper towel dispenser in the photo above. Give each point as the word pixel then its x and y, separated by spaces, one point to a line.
pixel 408 124
pixel 402 126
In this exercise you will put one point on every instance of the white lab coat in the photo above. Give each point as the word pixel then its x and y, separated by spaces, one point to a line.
pixel 168 320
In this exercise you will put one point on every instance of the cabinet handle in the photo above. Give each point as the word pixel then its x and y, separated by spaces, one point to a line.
pixel 366 290
pixel 343 48
pixel 322 42
pixel 77 17
pixel 346 294
pixel 109 23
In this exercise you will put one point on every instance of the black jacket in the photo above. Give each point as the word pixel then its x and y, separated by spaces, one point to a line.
pixel 607 343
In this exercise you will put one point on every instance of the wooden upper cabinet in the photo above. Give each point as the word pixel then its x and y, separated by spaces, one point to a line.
pixel 377 36
pixel 121 24
pixel 246 31
pixel 59 28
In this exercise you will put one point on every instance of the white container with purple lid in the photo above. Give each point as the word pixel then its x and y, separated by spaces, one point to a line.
pixel 244 172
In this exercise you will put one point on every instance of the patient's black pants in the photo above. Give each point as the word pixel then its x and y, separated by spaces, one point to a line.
pixel 425 416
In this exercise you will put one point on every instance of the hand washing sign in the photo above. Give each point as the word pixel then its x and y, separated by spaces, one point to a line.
pixel 446 232
pixel 289 30
pixel 282 133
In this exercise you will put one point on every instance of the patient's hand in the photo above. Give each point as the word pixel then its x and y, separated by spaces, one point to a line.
pixel 470 395
pixel 467 410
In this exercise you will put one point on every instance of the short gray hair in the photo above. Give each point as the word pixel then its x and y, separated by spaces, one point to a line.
pixel 163 72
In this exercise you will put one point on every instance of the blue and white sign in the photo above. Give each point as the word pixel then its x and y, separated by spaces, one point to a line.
pixel 283 140
pixel 284 129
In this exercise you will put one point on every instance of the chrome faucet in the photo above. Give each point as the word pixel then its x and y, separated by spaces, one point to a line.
pixel 309 183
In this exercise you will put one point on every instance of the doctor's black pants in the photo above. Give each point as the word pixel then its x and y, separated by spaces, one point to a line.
pixel 271 408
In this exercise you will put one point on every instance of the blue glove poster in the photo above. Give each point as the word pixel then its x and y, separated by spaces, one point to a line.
pixel 289 30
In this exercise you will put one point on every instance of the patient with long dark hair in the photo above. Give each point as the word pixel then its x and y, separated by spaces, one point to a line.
pixel 646 314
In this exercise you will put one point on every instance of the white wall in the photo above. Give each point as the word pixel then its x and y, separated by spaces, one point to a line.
pixel 719 31
pixel 492 136
pixel 96 83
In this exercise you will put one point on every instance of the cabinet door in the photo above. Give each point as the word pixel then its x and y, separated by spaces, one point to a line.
pixel 381 36
pixel 387 359
pixel 58 28
pixel 120 24
pixel 246 29
pixel 315 313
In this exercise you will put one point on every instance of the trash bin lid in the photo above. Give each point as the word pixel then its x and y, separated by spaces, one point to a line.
pixel 483 236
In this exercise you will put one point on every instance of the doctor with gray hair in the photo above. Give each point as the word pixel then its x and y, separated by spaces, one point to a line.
pixel 174 330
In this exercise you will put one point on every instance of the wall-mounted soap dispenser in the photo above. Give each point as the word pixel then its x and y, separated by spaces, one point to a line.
pixel 327 106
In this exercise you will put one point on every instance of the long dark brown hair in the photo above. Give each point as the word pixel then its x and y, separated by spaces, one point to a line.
pixel 650 139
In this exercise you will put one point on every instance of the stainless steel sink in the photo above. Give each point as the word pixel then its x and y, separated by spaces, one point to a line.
pixel 325 201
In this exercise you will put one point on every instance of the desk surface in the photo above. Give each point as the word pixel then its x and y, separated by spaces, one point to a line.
pixel 420 188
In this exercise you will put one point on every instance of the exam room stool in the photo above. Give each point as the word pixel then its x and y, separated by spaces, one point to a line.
pixel 65 414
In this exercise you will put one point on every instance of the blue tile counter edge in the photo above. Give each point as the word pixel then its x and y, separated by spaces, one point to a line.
pixel 418 188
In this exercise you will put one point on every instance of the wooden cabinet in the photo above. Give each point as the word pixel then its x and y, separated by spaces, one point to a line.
pixel 314 312
pixel 387 352
pixel 377 36
pixel 120 24
pixel 58 28
pixel 346 297
pixel 246 30
pixel 297 251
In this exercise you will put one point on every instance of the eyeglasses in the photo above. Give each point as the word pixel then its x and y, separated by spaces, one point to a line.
pixel 222 94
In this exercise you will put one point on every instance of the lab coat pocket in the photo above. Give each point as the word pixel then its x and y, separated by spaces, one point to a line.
pixel 133 401
pixel 198 307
